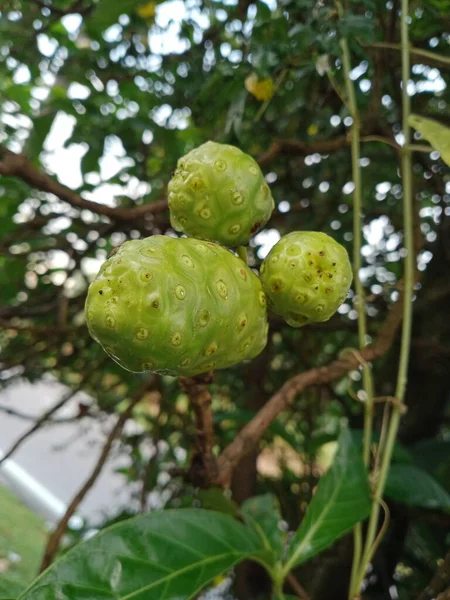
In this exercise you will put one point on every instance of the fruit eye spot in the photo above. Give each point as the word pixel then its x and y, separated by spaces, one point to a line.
pixel 330 275
pixel 100 292
pixel 147 366
pixel 187 260
pixel 196 183
pixel 110 321
pixel 180 292
pixel 205 213
pixel 242 273
pixel 292 264
pixel 328 290
pixel 176 338
pixel 321 253
pixel 185 362
pixel 316 287
pixel 222 289
pixel 320 307
pixel 220 165
pixel 276 285
pixel 141 333
pixel 145 276
pixel 310 262
pixel 253 170
pixel 237 197
pixel 203 318
pixel 300 298
pixel 150 252
pixel 262 298
pixel 182 221
pixel 155 304
pixel 307 277
pixel 242 322
pixel 334 264
pixel 274 259
pixel 210 365
pixel 211 349
pixel 235 228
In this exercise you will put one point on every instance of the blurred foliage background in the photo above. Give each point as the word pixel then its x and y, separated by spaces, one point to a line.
pixel 105 96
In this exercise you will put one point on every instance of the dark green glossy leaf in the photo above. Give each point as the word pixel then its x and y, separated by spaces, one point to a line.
pixel 262 513
pixel 165 555
pixel 413 486
pixel 342 499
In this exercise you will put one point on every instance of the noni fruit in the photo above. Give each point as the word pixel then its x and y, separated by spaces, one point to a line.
pixel 306 277
pixel 176 306
pixel 219 193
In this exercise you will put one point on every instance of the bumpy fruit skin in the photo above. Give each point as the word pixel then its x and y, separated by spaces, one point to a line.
pixel 306 277
pixel 219 193
pixel 176 306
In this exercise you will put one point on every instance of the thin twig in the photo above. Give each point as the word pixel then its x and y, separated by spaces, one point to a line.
pixel 55 537
pixel 251 433
pixel 439 581
pixel 48 413
pixel 297 587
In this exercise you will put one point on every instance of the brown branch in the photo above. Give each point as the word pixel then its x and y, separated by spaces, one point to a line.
pixel 55 537
pixel 297 148
pixel 253 431
pixel 297 587
pixel 17 165
pixel 48 413
pixel 439 581
pixel 203 469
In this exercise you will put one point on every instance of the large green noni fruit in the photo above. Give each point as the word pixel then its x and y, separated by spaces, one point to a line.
pixel 176 306
pixel 306 277
pixel 219 193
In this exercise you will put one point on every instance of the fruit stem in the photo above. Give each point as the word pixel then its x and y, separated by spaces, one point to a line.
pixel 242 253
pixel 402 378
pixel 360 300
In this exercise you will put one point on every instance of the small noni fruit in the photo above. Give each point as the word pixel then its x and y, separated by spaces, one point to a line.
pixel 176 306
pixel 219 193
pixel 306 277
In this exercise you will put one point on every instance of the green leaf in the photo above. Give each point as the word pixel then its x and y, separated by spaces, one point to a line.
pixel 107 13
pixel 413 486
pixel 262 513
pixel 342 499
pixel 214 499
pixel 165 555
pixel 431 454
pixel 437 134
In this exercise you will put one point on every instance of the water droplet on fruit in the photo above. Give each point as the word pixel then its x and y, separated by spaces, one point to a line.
pixel 180 292
pixel 141 333
pixel 222 289
pixel 220 165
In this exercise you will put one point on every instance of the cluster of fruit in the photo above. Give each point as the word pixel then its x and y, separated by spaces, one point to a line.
pixel 184 306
